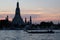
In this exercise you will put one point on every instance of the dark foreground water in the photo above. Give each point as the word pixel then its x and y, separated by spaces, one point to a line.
pixel 22 35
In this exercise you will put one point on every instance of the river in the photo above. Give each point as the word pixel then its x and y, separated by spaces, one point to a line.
pixel 22 35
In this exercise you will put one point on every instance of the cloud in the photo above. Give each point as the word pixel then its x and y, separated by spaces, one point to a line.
pixel 45 14
pixel 6 12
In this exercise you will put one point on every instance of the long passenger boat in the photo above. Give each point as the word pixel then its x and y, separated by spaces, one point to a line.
pixel 37 31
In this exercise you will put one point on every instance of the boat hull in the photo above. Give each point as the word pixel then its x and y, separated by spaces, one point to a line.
pixel 40 32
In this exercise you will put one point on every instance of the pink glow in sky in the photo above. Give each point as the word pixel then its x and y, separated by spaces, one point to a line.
pixel 40 10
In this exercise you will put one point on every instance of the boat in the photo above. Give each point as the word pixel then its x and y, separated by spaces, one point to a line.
pixel 40 31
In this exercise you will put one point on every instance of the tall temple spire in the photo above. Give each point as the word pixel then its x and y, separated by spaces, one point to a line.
pixel 17 4
pixel 17 9
pixel 17 18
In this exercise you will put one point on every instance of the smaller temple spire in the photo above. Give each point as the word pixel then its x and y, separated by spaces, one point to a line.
pixel 25 20
pixel 30 20
pixel 7 18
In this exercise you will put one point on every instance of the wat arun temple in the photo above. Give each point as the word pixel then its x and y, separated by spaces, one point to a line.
pixel 17 18
pixel 16 23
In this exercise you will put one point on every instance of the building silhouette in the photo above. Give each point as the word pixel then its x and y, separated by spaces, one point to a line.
pixel 30 20
pixel 25 20
pixel 17 18
pixel 7 18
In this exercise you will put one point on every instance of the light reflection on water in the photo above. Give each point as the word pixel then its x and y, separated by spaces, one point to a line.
pixel 22 35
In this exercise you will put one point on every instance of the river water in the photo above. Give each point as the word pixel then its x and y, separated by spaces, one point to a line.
pixel 22 35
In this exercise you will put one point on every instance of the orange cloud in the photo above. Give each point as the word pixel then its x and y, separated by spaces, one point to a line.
pixel 6 12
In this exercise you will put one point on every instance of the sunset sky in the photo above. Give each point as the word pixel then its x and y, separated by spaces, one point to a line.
pixel 40 10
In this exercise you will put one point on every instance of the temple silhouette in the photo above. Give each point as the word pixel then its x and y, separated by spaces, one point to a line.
pixel 18 24
pixel 17 18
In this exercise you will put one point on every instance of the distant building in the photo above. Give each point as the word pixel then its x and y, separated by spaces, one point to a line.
pixel 7 18
pixel 17 18
pixel 25 20
pixel 30 20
